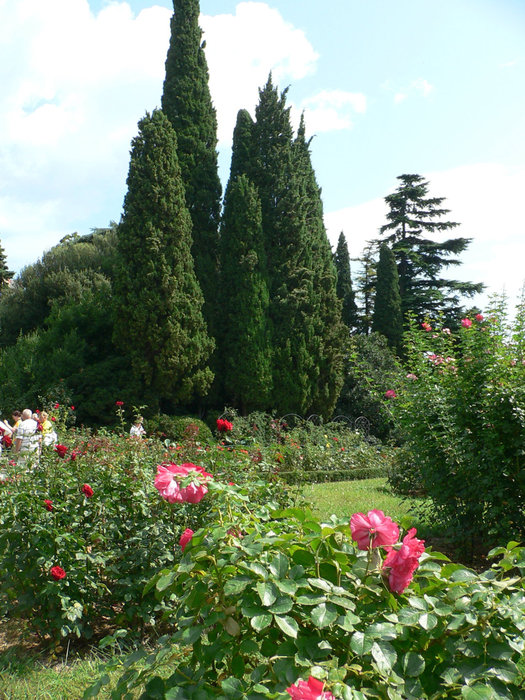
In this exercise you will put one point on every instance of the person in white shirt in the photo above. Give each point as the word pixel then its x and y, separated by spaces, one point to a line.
pixel 27 438
pixel 137 428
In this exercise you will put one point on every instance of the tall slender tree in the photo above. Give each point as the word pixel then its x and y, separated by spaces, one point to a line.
pixel 158 320
pixel 345 290
pixel 365 286
pixel 186 101
pixel 244 341
pixel 387 318
pixel 412 216
pixel 5 273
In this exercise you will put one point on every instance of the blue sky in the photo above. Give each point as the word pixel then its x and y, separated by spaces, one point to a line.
pixel 387 86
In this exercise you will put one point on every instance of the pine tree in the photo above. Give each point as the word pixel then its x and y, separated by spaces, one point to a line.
pixel 244 334
pixel 345 290
pixel 159 322
pixel 387 318
pixel 5 273
pixel 420 260
pixel 365 286
pixel 186 101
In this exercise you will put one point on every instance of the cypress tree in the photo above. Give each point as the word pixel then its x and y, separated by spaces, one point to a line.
pixel 344 288
pixel 186 101
pixel 159 322
pixel 244 299
pixel 366 288
pixel 5 273
pixel 387 318
pixel 420 260
pixel 329 331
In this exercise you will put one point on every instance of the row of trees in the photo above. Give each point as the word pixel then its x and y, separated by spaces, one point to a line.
pixel 180 305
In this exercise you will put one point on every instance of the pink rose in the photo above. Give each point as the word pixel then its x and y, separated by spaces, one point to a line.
pixel 185 538
pixel 311 690
pixel 479 317
pixel 466 323
pixel 426 326
pixel 373 530
pixel 390 394
pixel 169 488
pixel 411 376
pixel 400 564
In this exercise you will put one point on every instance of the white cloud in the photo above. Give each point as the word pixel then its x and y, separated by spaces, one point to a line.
pixel 485 199
pixel 330 110
pixel 419 86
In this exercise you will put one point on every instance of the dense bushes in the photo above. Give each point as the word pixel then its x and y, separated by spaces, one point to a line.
pixel 461 410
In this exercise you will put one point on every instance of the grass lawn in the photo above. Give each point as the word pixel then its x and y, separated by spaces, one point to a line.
pixel 346 497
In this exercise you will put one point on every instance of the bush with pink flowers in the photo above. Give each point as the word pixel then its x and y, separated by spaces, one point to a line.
pixel 461 412
pixel 275 604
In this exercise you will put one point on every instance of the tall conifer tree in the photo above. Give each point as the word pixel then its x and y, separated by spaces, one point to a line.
pixel 244 325
pixel 412 216
pixel 387 318
pixel 5 273
pixel 345 291
pixel 186 101
pixel 159 322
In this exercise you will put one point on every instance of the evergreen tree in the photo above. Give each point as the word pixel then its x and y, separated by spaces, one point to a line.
pixel 244 334
pixel 420 260
pixel 159 322
pixel 5 273
pixel 242 145
pixel 345 290
pixel 387 318
pixel 186 101
pixel 366 279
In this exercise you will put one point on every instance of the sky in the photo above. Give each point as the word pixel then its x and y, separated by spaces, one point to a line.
pixel 387 87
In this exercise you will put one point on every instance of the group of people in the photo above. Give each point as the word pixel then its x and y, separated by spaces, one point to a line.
pixel 28 434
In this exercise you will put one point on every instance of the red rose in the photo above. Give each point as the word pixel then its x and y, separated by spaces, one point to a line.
pixel 87 490
pixel 57 405
pixel 48 505
pixel 185 538
pixel 53 418
pixel 72 408
pixel 61 450
pixel 57 572
pixel 119 403
pixel 223 425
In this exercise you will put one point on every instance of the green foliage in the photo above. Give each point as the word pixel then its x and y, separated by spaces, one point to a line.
pixel 344 288
pixel 387 319
pixel 180 429
pixel 158 302
pixel 371 369
pixel 5 273
pixel 420 260
pixel 186 101
pixel 243 333
pixel 262 599
pixel 462 411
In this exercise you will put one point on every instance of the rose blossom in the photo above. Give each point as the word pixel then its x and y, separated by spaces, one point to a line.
pixel 87 490
pixel 373 530
pixel 426 326
pixel 185 538
pixel 390 394
pixel 479 317
pixel 400 564
pixel 48 505
pixel 119 403
pixel 466 323
pixel 57 572
pixel 170 489
pixel 411 376
pixel 223 425
pixel 61 450
pixel 311 690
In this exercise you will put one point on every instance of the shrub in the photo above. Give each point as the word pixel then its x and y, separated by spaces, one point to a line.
pixel 462 411
pixel 180 429
pixel 261 600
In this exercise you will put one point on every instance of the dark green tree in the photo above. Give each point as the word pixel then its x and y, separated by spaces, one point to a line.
pixel 159 323
pixel 387 318
pixel 5 273
pixel 365 288
pixel 412 216
pixel 345 291
pixel 244 340
pixel 186 101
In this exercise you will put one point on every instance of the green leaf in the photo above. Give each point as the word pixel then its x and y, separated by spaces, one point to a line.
pixel 279 566
pixel 232 687
pixel 287 624
pixel 283 604
pixel 360 644
pixel 260 622
pixel 232 627
pixel 287 586
pixel 413 664
pixel 165 581
pixel 267 593
pixel 310 599
pixel 320 583
pixel 324 615
pixel 236 585
pixel 428 621
pixel 477 692
pixel 384 655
